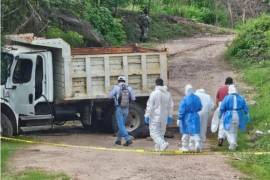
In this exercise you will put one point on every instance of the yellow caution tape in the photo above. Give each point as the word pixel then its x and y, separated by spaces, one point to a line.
pixel 142 151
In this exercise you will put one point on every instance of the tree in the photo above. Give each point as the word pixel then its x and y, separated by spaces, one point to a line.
pixel 240 10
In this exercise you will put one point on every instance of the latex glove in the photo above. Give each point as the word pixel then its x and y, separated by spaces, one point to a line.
pixel 169 120
pixel 146 120
pixel 178 122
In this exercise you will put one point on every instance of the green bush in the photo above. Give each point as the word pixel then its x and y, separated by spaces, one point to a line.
pixel 267 35
pixel 200 14
pixel 71 37
pixel 252 41
pixel 111 28
pixel 74 38
pixel 222 18
pixel 192 12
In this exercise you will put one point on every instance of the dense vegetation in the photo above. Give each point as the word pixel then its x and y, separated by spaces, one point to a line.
pixel 107 22
pixel 249 53
pixel 253 41
pixel 74 38
pixel 206 11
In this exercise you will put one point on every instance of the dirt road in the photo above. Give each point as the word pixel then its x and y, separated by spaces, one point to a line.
pixel 198 61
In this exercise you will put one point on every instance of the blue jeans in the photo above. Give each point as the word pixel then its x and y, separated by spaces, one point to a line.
pixel 121 115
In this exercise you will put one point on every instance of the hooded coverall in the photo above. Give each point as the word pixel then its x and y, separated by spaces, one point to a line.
pixel 222 92
pixel 190 120
pixel 159 107
pixel 234 112
pixel 121 113
pixel 207 106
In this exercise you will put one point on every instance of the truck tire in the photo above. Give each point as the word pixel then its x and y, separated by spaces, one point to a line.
pixel 6 126
pixel 135 123
pixel 88 117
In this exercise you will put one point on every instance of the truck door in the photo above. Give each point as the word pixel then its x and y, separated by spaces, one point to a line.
pixel 23 84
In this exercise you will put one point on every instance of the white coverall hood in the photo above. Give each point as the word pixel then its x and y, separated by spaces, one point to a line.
pixel 188 89
pixel 200 91
pixel 161 88
pixel 232 89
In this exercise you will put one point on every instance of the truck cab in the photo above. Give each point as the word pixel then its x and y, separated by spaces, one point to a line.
pixel 26 83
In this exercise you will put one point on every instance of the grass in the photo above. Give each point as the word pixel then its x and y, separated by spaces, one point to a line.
pixel 257 166
pixel 258 76
pixel 7 150
pixel 36 175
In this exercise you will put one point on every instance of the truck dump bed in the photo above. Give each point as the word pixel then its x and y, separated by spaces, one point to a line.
pixel 95 70
pixel 90 73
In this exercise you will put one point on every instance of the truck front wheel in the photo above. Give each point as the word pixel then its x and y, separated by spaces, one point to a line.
pixel 6 126
pixel 135 123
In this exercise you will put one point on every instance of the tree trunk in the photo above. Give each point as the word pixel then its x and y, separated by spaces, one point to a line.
pixel 216 18
pixel 133 4
pixel 244 15
pixel 149 5
pixel 115 8
pixel 229 6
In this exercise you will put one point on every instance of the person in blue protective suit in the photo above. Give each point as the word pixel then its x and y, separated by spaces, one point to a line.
pixel 189 120
pixel 235 114
pixel 122 95
pixel 158 114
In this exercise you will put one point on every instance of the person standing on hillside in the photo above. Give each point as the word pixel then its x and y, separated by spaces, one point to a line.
pixel 144 22
pixel 122 95
pixel 207 107
pixel 189 120
pixel 159 113
pixel 234 114
pixel 216 122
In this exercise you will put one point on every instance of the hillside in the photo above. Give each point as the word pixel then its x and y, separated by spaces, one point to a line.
pixel 165 27
pixel 84 24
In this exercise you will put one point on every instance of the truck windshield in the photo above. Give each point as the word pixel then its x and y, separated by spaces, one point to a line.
pixel 6 62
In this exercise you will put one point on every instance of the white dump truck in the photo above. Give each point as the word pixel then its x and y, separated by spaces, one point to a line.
pixel 44 81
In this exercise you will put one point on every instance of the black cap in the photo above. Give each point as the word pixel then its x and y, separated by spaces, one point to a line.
pixel 159 82
pixel 228 81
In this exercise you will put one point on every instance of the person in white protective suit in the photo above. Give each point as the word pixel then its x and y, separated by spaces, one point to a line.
pixel 159 113
pixel 235 114
pixel 207 107
pixel 189 120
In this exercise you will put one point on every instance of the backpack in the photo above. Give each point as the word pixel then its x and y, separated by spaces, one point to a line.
pixel 124 96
